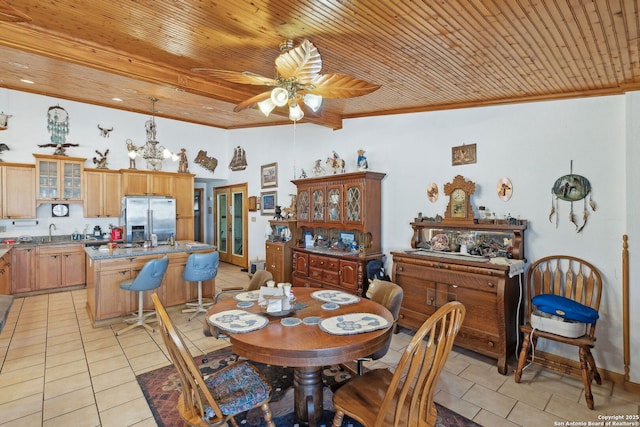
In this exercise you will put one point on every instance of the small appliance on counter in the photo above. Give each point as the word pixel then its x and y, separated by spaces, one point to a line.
pixel 116 234
pixel 97 232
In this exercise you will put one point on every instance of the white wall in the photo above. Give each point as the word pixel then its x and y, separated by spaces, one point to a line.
pixel 28 129
pixel 532 144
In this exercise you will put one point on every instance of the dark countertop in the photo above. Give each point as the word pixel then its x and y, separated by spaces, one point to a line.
pixel 99 253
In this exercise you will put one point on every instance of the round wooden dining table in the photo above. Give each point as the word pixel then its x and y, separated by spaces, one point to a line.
pixel 306 347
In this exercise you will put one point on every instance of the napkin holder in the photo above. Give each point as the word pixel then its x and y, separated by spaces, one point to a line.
pixel 273 301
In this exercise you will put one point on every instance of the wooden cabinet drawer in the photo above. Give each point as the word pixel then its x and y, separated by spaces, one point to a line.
pixel 331 277
pixel 455 278
pixel 124 263
pixel 323 262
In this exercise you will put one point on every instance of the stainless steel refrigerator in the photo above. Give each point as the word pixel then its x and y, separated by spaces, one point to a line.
pixel 147 215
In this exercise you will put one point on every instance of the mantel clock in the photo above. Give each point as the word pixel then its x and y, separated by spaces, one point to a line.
pixel 459 208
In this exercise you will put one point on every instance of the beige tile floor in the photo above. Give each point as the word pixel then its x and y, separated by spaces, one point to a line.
pixel 57 370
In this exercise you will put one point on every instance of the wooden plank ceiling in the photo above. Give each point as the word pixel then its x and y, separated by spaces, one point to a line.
pixel 426 55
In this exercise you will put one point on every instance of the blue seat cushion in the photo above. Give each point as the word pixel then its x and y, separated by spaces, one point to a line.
pixel 238 388
pixel 126 284
pixel 565 308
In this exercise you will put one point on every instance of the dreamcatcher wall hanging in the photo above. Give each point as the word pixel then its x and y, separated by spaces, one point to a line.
pixel 572 188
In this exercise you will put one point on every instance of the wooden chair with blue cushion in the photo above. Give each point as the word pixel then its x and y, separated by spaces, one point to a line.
pixel 404 397
pixel 576 282
pixel 200 267
pixel 212 400
pixel 149 278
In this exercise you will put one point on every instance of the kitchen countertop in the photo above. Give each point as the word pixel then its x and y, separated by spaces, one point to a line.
pixel 94 253
pixel 55 240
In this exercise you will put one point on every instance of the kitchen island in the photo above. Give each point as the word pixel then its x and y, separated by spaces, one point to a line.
pixel 106 269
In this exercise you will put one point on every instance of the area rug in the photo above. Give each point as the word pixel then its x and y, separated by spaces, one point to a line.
pixel 161 388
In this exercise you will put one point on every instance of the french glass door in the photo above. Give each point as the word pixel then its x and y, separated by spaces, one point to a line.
pixel 231 223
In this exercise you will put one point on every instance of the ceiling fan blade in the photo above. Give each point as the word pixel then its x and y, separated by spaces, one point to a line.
pixel 248 103
pixel 303 62
pixel 11 14
pixel 340 86
pixel 245 78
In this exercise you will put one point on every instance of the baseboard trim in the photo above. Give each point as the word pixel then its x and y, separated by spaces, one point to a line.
pixel 616 378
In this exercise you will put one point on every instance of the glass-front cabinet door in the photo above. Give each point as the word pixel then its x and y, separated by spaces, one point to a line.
pixel 222 208
pixel 353 203
pixel 302 205
pixel 59 179
pixel 334 203
pixel 317 204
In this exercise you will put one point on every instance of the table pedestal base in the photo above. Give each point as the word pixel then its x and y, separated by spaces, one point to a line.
pixel 308 395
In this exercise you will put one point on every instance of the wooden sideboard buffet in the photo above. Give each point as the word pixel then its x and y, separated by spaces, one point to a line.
pixel 483 283
pixel 332 206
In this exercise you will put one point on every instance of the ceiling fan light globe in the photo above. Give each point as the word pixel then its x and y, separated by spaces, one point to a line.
pixel 132 154
pixel 295 112
pixel 279 96
pixel 314 102
pixel 266 106
pixel 166 153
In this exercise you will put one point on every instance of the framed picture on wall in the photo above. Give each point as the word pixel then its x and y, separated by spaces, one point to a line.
pixel 269 175
pixel 463 155
pixel 268 201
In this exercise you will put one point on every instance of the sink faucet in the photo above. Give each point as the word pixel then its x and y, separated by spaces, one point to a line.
pixel 54 227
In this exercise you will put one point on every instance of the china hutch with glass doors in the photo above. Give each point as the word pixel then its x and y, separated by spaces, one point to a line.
pixel 342 213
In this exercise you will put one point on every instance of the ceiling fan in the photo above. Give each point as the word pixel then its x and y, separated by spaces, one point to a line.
pixel 298 82
pixel 9 13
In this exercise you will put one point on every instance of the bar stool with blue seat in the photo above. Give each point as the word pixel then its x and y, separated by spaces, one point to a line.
pixel 200 267
pixel 150 277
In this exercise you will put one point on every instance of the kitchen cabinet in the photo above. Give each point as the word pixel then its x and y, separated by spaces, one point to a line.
pixel 59 178
pixel 23 265
pixel 102 198
pixel 18 184
pixel 430 278
pixel 344 202
pixel 5 274
pixel 60 266
pixel 331 271
pixel 183 192
pixel 146 183
pixel 279 252
pixel 174 289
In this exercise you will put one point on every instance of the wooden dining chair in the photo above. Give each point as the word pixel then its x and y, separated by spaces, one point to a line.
pixel 260 278
pixel 212 400
pixel 577 280
pixel 390 296
pixel 380 398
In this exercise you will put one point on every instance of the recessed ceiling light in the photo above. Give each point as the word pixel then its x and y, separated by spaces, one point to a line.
pixel 130 90
pixel 207 107
pixel 116 99
pixel 26 81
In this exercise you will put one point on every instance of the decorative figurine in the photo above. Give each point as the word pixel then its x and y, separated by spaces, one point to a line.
pixel 318 170
pixel 4 121
pixel 239 160
pixel 336 163
pixel 132 150
pixel 362 161
pixel 278 213
pixel 290 212
pixel 3 147
pixel 205 161
pixel 101 163
pixel 183 167
pixel 303 174
pixel 104 132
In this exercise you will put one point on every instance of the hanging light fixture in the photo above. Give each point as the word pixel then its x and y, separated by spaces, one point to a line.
pixel 153 153
pixel 298 82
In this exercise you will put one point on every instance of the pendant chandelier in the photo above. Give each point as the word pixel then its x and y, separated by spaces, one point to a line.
pixel 152 152
pixel 298 84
